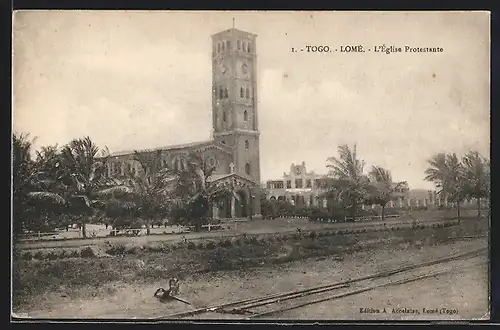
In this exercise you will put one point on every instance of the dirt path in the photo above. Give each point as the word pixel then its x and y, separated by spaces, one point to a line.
pixel 123 300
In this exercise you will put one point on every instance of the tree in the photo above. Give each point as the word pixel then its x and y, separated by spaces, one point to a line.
pixel 383 189
pixel 350 184
pixel 35 196
pixel 151 186
pixel 83 176
pixel 446 171
pixel 23 178
pixel 476 171
pixel 144 193
pixel 194 192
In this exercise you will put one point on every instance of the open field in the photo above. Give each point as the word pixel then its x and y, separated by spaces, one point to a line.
pixel 122 285
pixel 255 227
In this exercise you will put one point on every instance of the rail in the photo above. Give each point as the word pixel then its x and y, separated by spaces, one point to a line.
pixel 243 305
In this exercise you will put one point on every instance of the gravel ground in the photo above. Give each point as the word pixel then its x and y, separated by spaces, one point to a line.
pixel 466 291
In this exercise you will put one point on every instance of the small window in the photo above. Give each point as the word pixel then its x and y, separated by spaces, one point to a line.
pixel 245 115
pixel 247 144
pixel 224 116
pixel 218 48
pixel 228 45
pixel 298 183
pixel 244 46
pixel 238 45
pixel 247 168
pixel 183 164
pixel 226 94
pixel 242 93
pixel 221 93
pixel 288 184
pixel 223 46
pixel 249 47
pixel 308 183
pixel 247 93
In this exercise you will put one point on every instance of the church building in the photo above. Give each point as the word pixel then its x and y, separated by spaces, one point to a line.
pixel 234 149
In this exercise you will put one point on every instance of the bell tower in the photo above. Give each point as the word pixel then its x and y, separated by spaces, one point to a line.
pixel 234 98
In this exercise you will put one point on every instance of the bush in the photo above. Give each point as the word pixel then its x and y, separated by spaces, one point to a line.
pixel 51 255
pixel 210 245
pixel 225 243
pixel 191 246
pixel 116 249
pixel 154 247
pixel 313 235
pixel 74 254
pixel 130 249
pixel 38 255
pixel 27 256
pixel 87 253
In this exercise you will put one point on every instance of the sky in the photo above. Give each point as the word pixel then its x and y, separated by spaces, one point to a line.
pixel 140 80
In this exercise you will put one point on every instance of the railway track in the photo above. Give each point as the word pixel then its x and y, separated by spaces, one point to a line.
pixel 275 304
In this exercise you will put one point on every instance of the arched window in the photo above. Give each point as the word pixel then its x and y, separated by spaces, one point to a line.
pixel 249 47
pixel 221 93
pixel 218 48
pixel 183 164
pixel 238 45
pixel 175 164
pixel 247 93
pixel 245 115
pixel 244 46
pixel 223 46
pixel 228 45
pixel 224 116
pixel 247 168
pixel 247 144
pixel 242 93
pixel 226 95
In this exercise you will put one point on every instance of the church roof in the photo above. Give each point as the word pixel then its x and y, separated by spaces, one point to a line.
pixel 231 178
pixel 175 147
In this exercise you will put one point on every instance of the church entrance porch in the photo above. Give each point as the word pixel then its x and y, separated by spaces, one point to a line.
pixel 240 202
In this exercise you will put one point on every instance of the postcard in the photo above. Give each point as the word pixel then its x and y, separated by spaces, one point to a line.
pixel 232 165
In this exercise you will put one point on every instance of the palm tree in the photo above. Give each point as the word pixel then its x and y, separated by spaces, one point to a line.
pixel 383 188
pixel 446 171
pixel 350 184
pixel 83 176
pixel 145 193
pixel 476 171
pixel 35 196
pixel 151 186
pixel 195 193
pixel 23 178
